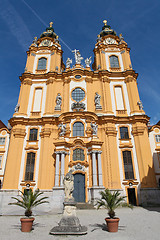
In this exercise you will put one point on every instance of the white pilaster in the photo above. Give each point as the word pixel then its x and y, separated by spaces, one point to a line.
pixel 94 168
pixel 57 169
pixel 100 169
pixel 62 167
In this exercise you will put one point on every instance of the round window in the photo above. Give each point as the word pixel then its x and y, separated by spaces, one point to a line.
pixel 78 94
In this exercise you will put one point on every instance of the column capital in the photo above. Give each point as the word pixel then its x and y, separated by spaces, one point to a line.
pixel 95 151
pixel 61 152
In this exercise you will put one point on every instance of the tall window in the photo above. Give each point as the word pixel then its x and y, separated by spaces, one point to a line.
pixel 78 94
pixel 128 167
pixel 157 138
pixel 33 134
pixel 42 63
pixel 78 129
pixel 2 141
pixel 114 63
pixel 119 98
pixel 37 100
pixel 124 133
pixel 30 166
pixel 78 154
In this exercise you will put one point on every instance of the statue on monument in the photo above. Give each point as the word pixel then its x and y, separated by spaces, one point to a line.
pixel 78 57
pixel 68 182
pixel 68 62
pixel 88 62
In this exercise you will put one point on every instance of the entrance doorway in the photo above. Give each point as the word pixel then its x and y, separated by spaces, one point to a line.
pixel 79 187
pixel 132 196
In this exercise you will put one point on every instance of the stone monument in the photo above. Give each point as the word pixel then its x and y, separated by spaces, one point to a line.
pixel 69 224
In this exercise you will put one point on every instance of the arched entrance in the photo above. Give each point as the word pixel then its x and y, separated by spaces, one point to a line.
pixel 79 187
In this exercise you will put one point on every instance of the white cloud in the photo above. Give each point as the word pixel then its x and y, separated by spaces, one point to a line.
pixel 15 24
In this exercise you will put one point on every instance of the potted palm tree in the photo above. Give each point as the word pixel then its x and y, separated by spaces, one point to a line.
pixel 28 199
pixel 111 201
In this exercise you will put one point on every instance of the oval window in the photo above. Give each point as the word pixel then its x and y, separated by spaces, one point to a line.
pixel 78 76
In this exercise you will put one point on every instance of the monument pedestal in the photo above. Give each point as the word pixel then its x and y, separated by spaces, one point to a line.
pixel 69 224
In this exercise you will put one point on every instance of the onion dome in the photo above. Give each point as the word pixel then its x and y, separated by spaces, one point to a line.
pixel 49 32
pixel 106 30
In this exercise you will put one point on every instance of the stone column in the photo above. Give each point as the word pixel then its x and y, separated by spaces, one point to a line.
pixel 100 169
pixel 94 168
pixel 62 167
pixel 57 169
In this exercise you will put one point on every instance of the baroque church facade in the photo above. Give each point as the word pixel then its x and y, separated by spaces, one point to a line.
pixel 70 117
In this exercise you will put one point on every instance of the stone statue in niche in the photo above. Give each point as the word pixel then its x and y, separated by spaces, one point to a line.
pixel 140 105
pixel 58 102
pixel 88 62
pixel 78 57
pixel 17 108
pixel 68 62
pixel 97 99
pixel 94 127
pixel 62 128
pixel 68 182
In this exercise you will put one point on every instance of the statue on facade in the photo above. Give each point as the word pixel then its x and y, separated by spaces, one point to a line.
pixel 62 128
pixel 78 57
pixel 94 127
pixel 34 42
pixel 140 105
pixel 68 182
pixel 97 99
pixel 17 108
pixel 88 62
pixel 68 62
pixel 121 38
pixel 58 102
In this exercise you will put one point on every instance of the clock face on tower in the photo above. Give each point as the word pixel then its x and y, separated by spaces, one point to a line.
pixel 45 43
pixel 110 41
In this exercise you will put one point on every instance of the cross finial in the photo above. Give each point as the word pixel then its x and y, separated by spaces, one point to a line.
pixel 50 24
pixel 105 22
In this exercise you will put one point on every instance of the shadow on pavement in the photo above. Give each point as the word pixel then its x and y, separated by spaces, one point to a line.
pixel 104 227
pixel 153 209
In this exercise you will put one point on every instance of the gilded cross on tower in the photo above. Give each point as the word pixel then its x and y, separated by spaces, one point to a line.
pixel 105 22
pixel 50 24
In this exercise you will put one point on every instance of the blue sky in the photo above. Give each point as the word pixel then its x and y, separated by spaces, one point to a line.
pixel 78 22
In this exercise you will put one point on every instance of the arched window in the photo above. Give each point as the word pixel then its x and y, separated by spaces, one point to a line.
pixel 128 167
pixel 29 173
pixel 114 63
pixel 78 154
pixel 78 129
pixel 42 63
pixel 124 133
pixel 33 134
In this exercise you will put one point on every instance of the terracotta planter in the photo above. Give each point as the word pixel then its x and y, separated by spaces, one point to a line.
pixel 26 224
pixel 112 224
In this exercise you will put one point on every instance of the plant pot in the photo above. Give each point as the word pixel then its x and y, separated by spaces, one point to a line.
pixel 26 224
pixel 112 224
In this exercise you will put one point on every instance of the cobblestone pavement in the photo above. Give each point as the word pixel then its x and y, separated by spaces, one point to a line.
pixel 137 224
